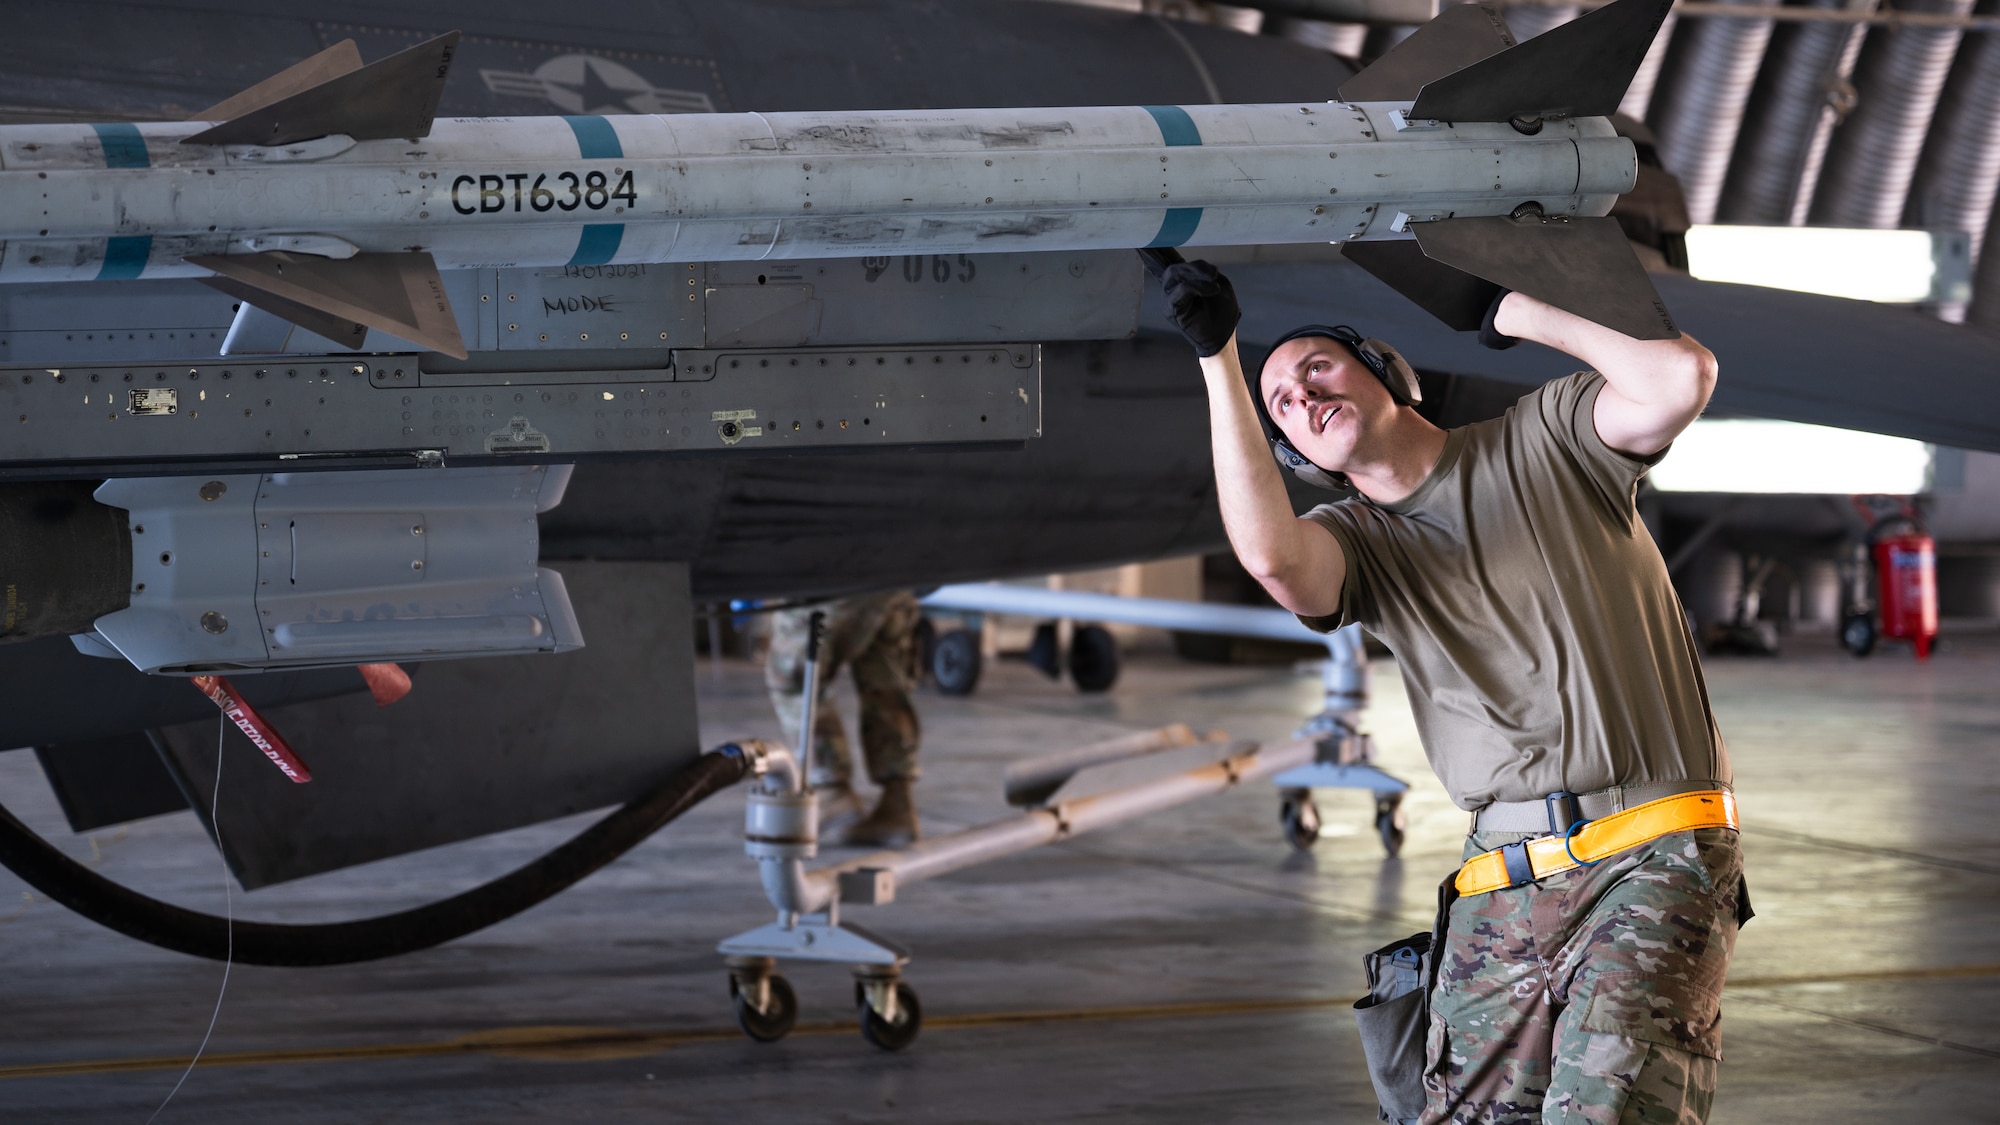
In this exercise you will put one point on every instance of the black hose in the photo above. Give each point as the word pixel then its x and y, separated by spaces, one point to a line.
pixel 168 926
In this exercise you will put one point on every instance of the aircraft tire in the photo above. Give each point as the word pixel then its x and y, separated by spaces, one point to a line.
pixel 955 662
pixel 1093 658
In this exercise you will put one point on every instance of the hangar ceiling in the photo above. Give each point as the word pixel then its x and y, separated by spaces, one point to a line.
pixel 1849 113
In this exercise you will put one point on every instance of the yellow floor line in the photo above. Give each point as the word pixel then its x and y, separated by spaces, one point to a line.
pixel 1949 972
pixel 587 1043
pixel 598 1043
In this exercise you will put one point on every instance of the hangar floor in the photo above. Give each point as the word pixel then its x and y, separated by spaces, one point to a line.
pixel 1185 969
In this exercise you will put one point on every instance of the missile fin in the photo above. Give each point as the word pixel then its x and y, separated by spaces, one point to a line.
pixel 401 294
pixel 1580 69
pixel 1584 266
pixel 392 97
pixel 341 58
pixel 264 324
pixel 1459 36
pixel 1452 295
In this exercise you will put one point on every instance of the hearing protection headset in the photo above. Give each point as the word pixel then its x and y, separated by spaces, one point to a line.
pixel 1377 356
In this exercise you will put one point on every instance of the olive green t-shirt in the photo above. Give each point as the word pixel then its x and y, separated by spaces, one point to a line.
pixel 1541 644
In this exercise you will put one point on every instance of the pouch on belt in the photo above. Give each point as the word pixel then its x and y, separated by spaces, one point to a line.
pixel 1394 1018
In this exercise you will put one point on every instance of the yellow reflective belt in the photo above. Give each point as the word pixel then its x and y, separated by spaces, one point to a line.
pixel 1605 836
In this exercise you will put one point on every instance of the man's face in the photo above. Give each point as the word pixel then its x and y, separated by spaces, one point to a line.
pixel 1324 401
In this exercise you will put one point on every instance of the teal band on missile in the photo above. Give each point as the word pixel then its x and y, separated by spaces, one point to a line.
pixel 598 243
pixel 125 258
pixel 1176 129
pixel 123 146
pixel 595 138
pixel 1177 227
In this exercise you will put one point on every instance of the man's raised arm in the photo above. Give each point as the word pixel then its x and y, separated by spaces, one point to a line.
pixel 1654 388
pixel 1296 560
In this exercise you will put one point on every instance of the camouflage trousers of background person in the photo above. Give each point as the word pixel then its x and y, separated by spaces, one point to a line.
pixel 1594 995
pixel 875 637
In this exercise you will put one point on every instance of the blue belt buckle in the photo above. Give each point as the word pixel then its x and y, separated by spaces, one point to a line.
pixel 1571 811
pixel 1519 870
pixel 1572 820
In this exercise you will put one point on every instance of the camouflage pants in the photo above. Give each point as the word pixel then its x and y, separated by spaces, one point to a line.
pixel 1592 996
pixel 875 636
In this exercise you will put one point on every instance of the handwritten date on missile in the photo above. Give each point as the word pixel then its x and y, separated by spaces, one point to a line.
pixel 544 191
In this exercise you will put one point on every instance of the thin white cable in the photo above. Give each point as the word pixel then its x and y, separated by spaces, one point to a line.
pixel 228 913
pixel 1194 56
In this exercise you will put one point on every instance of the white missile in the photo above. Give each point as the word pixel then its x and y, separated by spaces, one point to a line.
pixel 547 191
pixel 331 196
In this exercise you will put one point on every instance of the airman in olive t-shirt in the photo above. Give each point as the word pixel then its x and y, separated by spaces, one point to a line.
pixel 1554 683
pixel 1529 610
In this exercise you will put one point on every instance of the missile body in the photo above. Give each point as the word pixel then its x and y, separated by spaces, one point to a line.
pixel 81 202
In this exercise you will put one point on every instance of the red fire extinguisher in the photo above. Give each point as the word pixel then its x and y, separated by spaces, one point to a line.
pixel 1906 576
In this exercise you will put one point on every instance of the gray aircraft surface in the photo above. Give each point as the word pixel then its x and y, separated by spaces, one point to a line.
pixel 1089 448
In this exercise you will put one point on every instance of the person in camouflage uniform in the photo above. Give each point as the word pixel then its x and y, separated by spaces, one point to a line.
pixel 1594 995
pixel 874 636
pixel 1552 677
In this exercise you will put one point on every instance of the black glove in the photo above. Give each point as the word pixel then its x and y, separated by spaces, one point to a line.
pixel 1490 336
pixel 1201 299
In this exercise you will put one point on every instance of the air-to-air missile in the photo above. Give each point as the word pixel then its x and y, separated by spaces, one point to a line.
pixel 329 196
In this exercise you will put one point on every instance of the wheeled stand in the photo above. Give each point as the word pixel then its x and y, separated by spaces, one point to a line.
pixel 781 828
pixel 781 832
pixel 1060 795
pixel 1345 757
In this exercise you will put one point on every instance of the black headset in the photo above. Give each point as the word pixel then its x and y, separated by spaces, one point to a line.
pixel 1377 356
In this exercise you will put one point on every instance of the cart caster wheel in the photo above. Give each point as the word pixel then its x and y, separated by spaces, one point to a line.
pixel 1857 634
pixel 890 1034
pixel 1389 823
pixel 775 1019
pixel 1300 818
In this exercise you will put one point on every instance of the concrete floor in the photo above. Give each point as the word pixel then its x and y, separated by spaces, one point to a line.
pixel 1186 969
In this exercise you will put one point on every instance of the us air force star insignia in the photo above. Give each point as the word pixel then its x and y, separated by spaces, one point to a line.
pixel 588 84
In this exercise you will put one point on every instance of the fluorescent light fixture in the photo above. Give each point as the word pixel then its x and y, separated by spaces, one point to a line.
pixel 1902 266
pixel 1748 455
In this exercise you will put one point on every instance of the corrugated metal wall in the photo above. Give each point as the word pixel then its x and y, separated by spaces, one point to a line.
pixel 1830 123
pixel 1697 111
pixel 1802 91
pixel 1787 122
pixel 1873 158
pixel 1958 176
